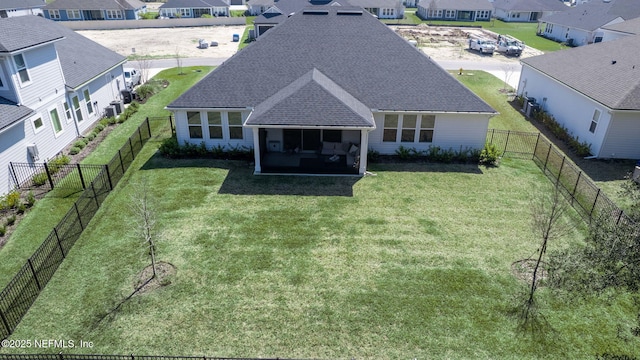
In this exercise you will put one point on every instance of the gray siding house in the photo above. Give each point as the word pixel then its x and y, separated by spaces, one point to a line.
pixel 194 8
pixel 349 85
pixel 526 10
pixel 594 91
pixel 76 10
pixel 54 84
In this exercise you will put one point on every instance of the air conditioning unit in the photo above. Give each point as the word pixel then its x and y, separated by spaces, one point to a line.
pixel 110 111
pixel 119 106
pixel 32 150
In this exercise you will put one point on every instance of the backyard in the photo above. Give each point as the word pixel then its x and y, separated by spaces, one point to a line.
pixel 412 262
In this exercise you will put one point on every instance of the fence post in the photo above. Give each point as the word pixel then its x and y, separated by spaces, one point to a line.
pixel 5 322
pixel 60 356
pixel 575 188
pixel 173 130
pixel 493 131
pixel 560 170
pixel 535 148
pixel 121 163
pixel 106 170
pixel 33 270
pixel 140 136
pixel 131 147
pixel 75 205
pixel 46 168
pixel 149 126
pixel 55 232
pixel 81 177
pixel 544 169
pixel 619 217
pixel 15 176
pixel 95 196
pixel 506 142
pixel 594 204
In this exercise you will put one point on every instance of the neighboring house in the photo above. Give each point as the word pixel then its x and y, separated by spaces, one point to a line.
pixel 325 87
pixel 410 3
pixel 594 91
pixel 279 12
pixel 257 7
pixel 463 10
pixel 526 10
pixel 54 85
pixel 70 10
pixel 623 29
pixel 11 8
pixel 194 8
pixel 582 24
pixel 383 9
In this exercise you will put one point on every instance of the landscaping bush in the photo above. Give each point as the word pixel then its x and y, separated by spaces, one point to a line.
pixel 145 91
pixel 172 149
pixel 10 220
pixel 128 112
pixel 12 199
pixel 562 133
pixel 3 230
pixel 22 208
pixel 490 155
pixel 99 127
pixel 74 150
pixel 80 144
pixel 40 179
pixel 91 136
pixel 31 199
pixel 57 163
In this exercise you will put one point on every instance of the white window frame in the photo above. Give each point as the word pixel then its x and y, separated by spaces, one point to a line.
pixel 394 128
pixel 403 128
pixel 185 12
pixel 50 113
pixel 54 14
pixel 450 14
pixel 114 14
pixel 215 125
pixel 21 68
pixel 423 119
pixel 33 124
pixel 199 124
pixel 77 109
pixel 229 126
pixel 67 111
pixel 86 94
pixel 74 14
pixel 482 14
pixel 593 125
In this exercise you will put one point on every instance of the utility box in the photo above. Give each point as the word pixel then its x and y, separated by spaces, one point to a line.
pixel 636 173
pixel 118 105
pixel 32 150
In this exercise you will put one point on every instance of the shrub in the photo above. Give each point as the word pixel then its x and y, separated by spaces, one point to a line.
pixel 10 220
pixel 403 152
pixel 490 155
pixel 145 91
pixel 99 127
pixel 31 199
pixel 74 150
pixel 22 208
pixel 3 230
pixel 57 163
pixel 79 144
pixel 12 199
pixel 170 148
pixel 91 136
pixel 373 155
pixel 40 179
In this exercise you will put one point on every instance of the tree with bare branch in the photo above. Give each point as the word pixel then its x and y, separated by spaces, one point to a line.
pixel 144 220
pixel 178 58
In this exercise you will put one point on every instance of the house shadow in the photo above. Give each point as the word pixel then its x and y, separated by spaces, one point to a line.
pixel 425 167
pixel 240 179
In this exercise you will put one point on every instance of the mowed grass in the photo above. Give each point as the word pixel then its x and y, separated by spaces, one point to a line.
pixel 411 263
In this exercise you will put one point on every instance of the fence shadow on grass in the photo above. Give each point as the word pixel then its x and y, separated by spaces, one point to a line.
pixel 425 167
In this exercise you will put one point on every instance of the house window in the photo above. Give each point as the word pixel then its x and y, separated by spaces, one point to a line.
pixel 67 111
pixel 114 14
pixel 76 108
pixel 215 125
pixel 21 66
pixel 548 28
pixel 483 14
pixel 409 128
pixel 73 14
pixel 37 124
pixel 390 128
pixel 450 14
pixel 185 12
pixel 54 14
pixel 387 12
pixel 435 14
pixel 427 123
pixel 2 82
pixel 55 121
pixel 235 125
pixel 594 121
pixel 87 100
pixel 195 125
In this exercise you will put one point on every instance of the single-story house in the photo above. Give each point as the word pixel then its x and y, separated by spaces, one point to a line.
pixel 10 8
pixel 349 85
pixel 74 10
pixel 54 85
pixel 582 24
pixel 194 8
pixel 463 10
pixel 279 12
pixel 623 29
pixel 526 10
pixel 594 91
pixel 383 9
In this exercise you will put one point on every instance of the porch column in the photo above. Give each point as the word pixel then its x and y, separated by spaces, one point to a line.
pixel 364 148
pixel 256 150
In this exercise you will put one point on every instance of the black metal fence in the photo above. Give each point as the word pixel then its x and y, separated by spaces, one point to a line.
pixel 118 357
pixel 21 292
pixel 48 176
pixel 583 194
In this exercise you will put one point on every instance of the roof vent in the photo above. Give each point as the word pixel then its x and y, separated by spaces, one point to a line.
pixel 349 12
pixel 613 62
pixel 315 12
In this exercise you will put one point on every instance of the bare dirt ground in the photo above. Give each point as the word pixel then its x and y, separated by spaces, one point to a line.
pixel 165 43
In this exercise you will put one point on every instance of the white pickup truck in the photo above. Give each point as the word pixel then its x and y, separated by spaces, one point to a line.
pixel 509 46
pixel 484 46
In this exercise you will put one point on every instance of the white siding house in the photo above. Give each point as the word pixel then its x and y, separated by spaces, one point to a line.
pixel 11 8
pixel 44 70
pixel 594 91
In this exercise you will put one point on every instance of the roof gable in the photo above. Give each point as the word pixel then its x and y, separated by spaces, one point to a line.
pixel 359 53
pixel 608 72
pixel 18 33
pixel 594 14
pixel 10 113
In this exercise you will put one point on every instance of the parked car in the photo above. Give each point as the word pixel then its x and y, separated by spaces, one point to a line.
pixel 484 46
pixel 509 45
pixel 131 78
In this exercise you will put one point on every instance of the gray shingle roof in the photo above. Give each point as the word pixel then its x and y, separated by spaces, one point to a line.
pixel 96 4
pixel 594 14
pixel 629 26
pixel 389 4
pixel 312 100
pixel 81 59
pixel 269 18
pixel 359 53
pixel 21 4
pixel 10 113
pixel 174 4
pixel 529 5
pixel 17 33
pixel 458 4
pixel 591 71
